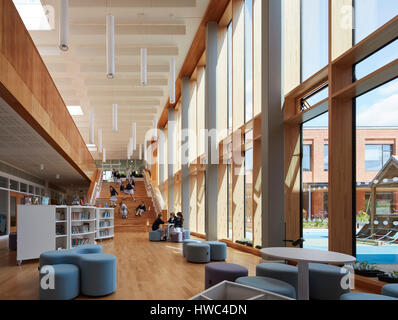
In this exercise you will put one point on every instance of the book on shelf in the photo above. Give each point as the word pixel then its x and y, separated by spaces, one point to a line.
pixel 80 215
pixel 80 241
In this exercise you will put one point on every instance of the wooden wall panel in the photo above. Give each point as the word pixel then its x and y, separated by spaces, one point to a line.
pixel 29 89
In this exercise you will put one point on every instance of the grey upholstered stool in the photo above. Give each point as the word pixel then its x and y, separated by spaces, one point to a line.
pixel 364 296
pixel 218 250
pixel 390 290
pixel 198 252
pixel 184 245
pixel 217 272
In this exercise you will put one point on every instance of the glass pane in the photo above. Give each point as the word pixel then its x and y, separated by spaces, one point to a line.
pixel 229 200
pixel 248 60
pixel 377 176
pixel 249 195
pixel 326 157
pixel 14 185
pixel 377 60
pixel 314 98
pixel 31 189
pixel 230 77
pixel 371 15
pixel 23 187
pixel 314 196
pixel 3 182
pixel 306 162
pixel 314 36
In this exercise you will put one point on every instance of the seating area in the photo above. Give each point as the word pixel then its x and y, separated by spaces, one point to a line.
pixel 84 270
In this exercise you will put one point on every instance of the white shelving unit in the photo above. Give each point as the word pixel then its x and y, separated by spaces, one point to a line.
pixel 62 225
pixel 82 225
pixel 104 223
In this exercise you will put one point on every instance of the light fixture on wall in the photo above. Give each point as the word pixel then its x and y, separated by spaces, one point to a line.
pixel 134 135
pixel 104 155
pixel 42 167
pixel 100 140
pixel 64 25
pixel 144 67
pixel 57 176
pixel 140 155
pixel 114 117
pixel 110 46
pixel 172 80
pixel 92 139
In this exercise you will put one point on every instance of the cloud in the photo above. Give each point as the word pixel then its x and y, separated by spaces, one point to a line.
pixel 383 113
pixel 389 89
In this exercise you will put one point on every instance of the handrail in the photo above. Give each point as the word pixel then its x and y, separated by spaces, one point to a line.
pixel 97 187
pixel 155 194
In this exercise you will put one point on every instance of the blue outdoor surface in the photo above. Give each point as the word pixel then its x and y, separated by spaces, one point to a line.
pixel 372 254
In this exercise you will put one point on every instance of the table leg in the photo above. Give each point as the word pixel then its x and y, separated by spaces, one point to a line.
pixel 303 281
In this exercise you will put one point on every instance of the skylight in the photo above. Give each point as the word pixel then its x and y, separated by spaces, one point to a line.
pixel 75 110
pixel 91 147
pixel 33 14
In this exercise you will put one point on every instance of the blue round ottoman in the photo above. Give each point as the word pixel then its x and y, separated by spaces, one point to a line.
pixel 176 236
pixel 279 271
pixel 198 252
pixel 184 245
pixel 218 250
pixel 66 282
pixel 269 284
pixel 364 296
pixel 12 241
pixel 98 274
pixel 217 272
pixel 390 290
pixel 155 235
pixel 325 281
pixel 186 235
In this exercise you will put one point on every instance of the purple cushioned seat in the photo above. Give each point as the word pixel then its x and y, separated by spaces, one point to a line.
pixel 12 241
pixel 219 271
pixel 176 236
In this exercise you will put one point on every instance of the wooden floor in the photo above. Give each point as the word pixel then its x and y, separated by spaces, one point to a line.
pixel 145 270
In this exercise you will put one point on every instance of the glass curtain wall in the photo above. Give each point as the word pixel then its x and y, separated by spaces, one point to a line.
pixel 314 176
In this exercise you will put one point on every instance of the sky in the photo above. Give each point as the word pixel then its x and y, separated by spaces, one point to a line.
pixel 378 107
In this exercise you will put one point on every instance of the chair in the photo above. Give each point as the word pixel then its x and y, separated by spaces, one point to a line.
pixel 217 272
pixel 66 282
pixel 218 250
pixel 198 252
pixel 364 296
pixel 184 245
pixel 155 235
pixel 390 290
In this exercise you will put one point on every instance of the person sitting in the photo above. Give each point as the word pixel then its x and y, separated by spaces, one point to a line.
pixel 179 222
pixel 123 210
pixel 140 209
pixel 172 218
pixel 156 226
pixel 118 178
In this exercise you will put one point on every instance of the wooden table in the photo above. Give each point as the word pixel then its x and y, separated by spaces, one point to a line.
pixel 304 257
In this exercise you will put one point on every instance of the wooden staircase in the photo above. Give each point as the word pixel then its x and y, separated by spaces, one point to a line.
pixel 132 223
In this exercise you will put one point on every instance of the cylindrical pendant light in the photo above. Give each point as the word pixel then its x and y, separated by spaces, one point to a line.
pixel 134 135
pixel 155 127
pixel 110 46
pixel 144 73
pixel 64 25
pixel 131 141
pixel 172 81
pixel 92 139
pixel 103 155
pixel 100 140
pixel 114 117
pixel 140 155
pixel 145 153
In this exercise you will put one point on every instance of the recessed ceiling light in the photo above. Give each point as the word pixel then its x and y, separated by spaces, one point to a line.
pixel 75 110
pixel 32 14
pixel 91 147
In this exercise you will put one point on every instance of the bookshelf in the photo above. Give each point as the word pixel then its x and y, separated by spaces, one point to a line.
pixel 61 227
pixel 104 223
pixel 82 225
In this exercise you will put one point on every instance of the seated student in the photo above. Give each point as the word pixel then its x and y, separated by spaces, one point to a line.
pixel 156 226
pixel 123 210
pixel 179 222
pixel 172 218
pixel 140 209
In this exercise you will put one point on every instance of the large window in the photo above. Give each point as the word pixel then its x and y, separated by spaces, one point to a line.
pixel 248 60
pixel 314 189
pixel 248 223
pixel 376 155
pixel 377 177
pixel 314 36
pixel 229 67
pixel 229 200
